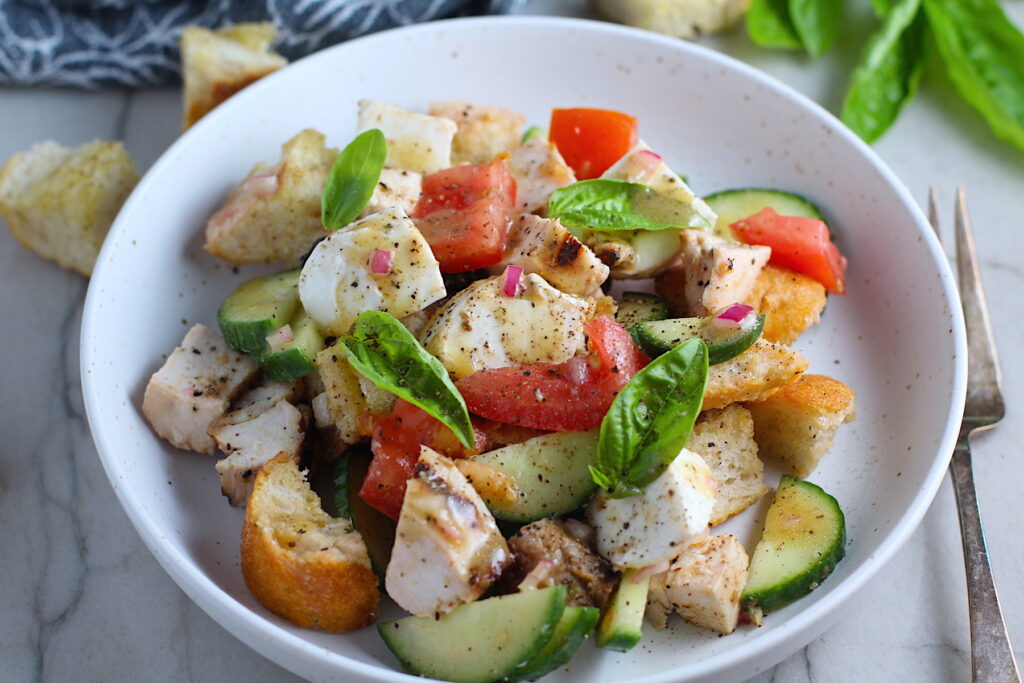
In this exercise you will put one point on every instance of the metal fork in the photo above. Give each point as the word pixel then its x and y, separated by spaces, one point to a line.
pixel 992 657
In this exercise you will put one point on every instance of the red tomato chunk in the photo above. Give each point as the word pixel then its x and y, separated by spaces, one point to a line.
pixel 591 140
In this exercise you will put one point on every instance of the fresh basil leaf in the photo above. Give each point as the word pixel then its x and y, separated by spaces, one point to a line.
pixel 341 507
pixel 769 24
pixel 650 420
pixel 882 7
pixel 984 56
pixel 353 178
pixel 889 72
pixel 606 204
pixel 531 133
pixel 817 22
pixel 382 350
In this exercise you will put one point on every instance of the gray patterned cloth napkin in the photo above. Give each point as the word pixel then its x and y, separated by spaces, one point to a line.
pixel 134 43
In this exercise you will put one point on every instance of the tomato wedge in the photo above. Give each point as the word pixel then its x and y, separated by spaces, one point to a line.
pixel 396 450
pixel 591 140
pixel 570 396
pixel 464 214
pixel 800 244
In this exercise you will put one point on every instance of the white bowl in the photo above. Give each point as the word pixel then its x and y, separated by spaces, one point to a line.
pixel 897 337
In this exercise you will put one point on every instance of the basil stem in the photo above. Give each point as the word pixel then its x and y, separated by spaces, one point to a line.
pixel 607 204
pixel 353 178
pixel 382 350
pixel 650 420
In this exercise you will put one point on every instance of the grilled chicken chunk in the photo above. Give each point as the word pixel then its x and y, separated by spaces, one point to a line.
pixel 543 246
pixel 448 549
pixel 539 170
pixel 195 387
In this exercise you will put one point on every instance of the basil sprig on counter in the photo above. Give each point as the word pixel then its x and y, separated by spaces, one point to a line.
pixel 382 350
pixel 353 178
pixel 607 204
pixel 651 420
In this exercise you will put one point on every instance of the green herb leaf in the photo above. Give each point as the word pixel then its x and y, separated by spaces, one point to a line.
pixel 383 351
pixel 817 22
pixel 606 204
pixel 889 72
pixel 769 25
pixel 533 132
pixel 353 178
pixel 341 508
pixel 984 56
pixel 651 420
pixel 882 7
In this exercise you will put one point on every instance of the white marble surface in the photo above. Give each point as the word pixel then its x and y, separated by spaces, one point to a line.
pixel 82 599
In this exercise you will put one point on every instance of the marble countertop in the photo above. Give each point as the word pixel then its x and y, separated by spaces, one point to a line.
pixel 82 598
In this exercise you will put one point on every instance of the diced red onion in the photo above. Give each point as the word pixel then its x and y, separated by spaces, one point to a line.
pixel 584 533
pixel 540 573
pixel 732 317
pixel 513 281
pixel 381 261
pixel 280 337
pixel 262 185
pixel 651 570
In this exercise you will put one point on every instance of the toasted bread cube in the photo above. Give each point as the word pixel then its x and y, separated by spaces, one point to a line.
pixel 703 585
pixel 60 202
pixel 299 562
pixel 195 387
pixel 797 423
pixel 395 188
pixel 416 142
pixel 338 408
pixel 752 375
pixel 791 302
pixel 217 64
pixel 274 215
pixel 483 132
pixel 680 18
pixel 539 170
pixel 725 439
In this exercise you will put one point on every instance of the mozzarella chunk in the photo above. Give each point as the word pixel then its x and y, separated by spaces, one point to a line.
pixel 337 285
pixel 448 549
pixel 711 273
pixel 703 585
pixel 483 132
pixel 543 246
pixel 195 387
pixel 481 327
pixel 672 512
pixel 539 170
pixel 416 142
pixel 395 188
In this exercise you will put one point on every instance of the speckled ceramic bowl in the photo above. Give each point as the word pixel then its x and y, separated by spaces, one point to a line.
pixel 897 337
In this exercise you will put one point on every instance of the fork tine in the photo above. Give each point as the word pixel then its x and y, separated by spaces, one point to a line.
pixel 933 212
pixel 982 358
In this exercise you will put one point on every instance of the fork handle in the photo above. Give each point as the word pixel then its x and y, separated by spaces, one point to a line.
pixel 992 658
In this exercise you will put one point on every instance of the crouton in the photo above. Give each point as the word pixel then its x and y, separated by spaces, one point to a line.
pixel 299 562
pixel 703 585
pixel 680 18
pixel 194 387
pixel 60 202
pixel 337 409
pixel 752 375
pixel 217 64
pixel 483 132
pixel 416 142
pixel 791 302
pixel 395 188
pixel 274 215
pixel 539 170
pixel 797 423
pixel 725 439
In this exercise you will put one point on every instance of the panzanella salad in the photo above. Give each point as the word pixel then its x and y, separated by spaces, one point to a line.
pixel 529 375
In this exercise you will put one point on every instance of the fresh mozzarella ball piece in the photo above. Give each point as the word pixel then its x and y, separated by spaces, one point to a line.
pixel 337 283
pixel 655 526
pixel 416 142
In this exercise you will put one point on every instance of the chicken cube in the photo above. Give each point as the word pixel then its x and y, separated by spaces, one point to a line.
pixel 539 170
pixel 483 132
pixel 194 387
pixel 543 246
pixel 416 142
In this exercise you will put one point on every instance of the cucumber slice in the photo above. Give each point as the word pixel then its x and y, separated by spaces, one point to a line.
pixel 478 642
pixel 639 307
pixel 572 629
pixel 551 473
pixel 377 530
pixel 621 626
pixel 660 336
pixel 735 205
pixel 257 308
pixel 294 359
pixel 804 537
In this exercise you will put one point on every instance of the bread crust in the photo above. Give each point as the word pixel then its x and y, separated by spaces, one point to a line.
pixel 791 302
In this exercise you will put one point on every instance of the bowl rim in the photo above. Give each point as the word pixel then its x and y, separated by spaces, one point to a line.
pixel 284 647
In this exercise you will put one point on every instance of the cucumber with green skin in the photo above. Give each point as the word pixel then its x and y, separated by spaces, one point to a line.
pixel 573 629
pixel 659 336
pixel 621 626
pixel 257 308
pixel 804 538
pixel 294 359
pixel 479 642
pixel 735 205
pixel 639 307
pixel 551 473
